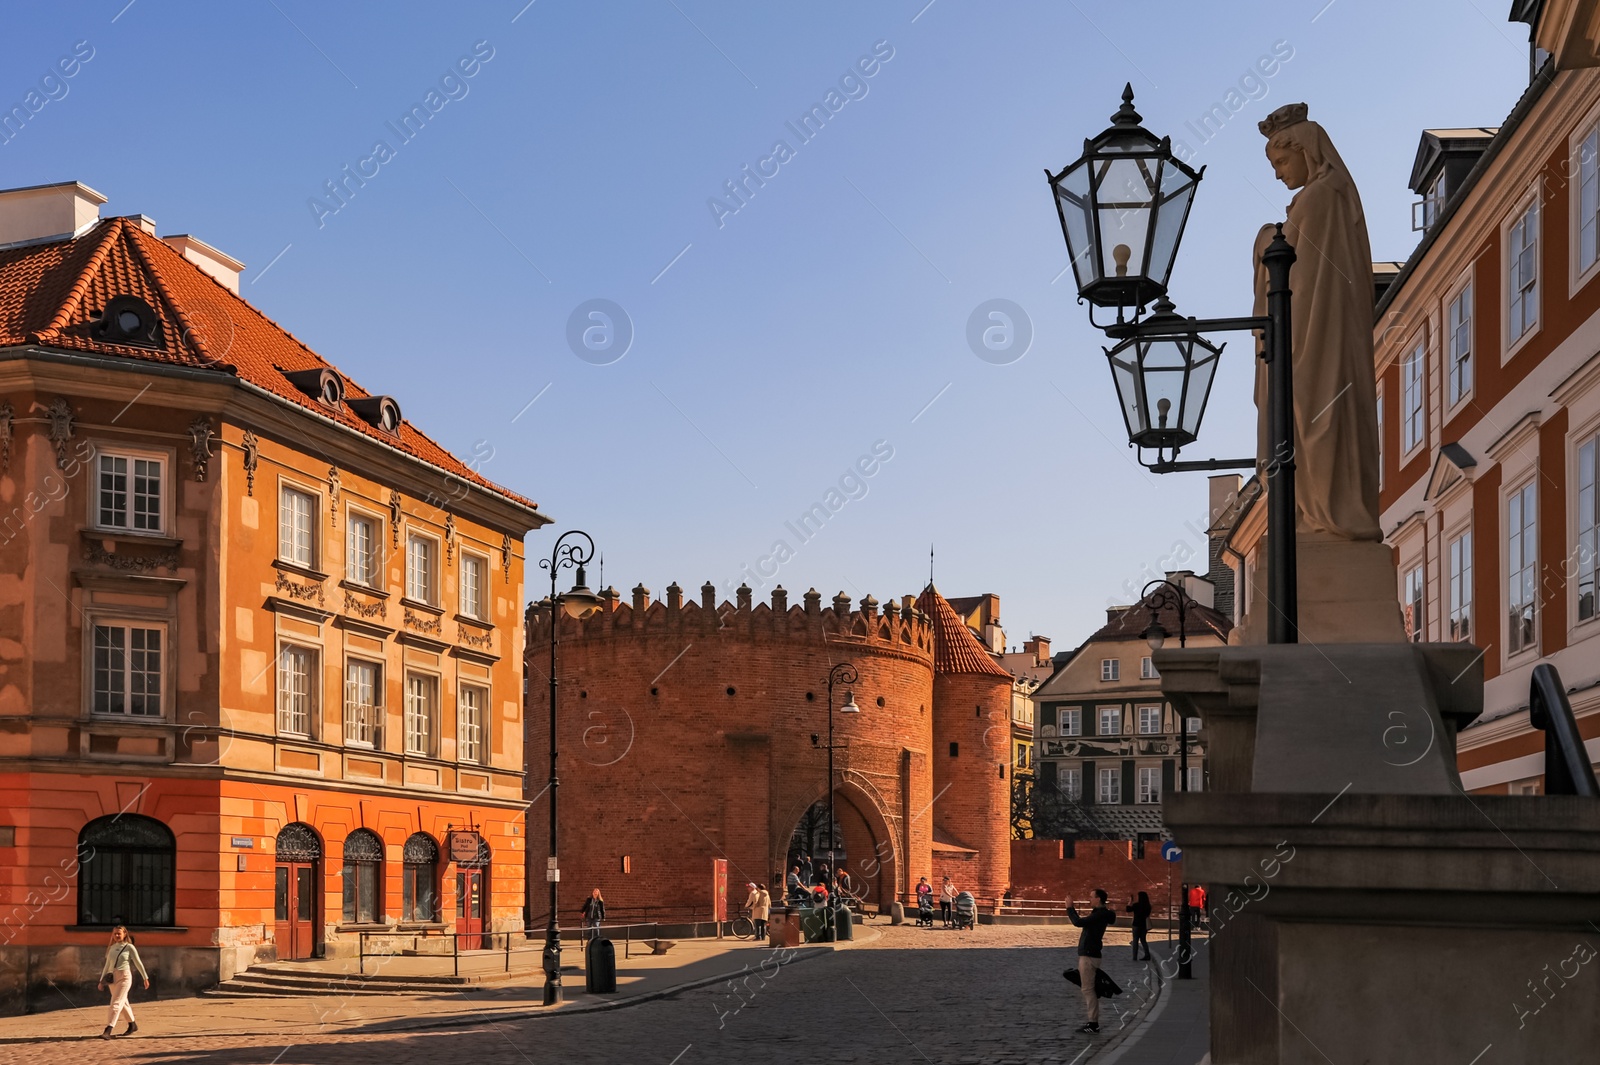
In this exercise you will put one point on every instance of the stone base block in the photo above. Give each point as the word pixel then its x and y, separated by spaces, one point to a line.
pixel 1347 594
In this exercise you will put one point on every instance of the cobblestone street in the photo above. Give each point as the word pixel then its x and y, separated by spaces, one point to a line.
pixel 910 995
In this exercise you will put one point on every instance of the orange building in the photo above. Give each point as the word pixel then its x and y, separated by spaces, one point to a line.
pixel 260 677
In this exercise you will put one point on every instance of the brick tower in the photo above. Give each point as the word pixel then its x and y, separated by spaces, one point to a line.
pixel 971 744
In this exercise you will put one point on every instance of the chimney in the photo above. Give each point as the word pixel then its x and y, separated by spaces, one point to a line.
pixel 1039 648
pixel 225 268
pixel 43 213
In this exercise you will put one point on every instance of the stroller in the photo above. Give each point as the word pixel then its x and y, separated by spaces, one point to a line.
pixel 924 911
pixel 966 910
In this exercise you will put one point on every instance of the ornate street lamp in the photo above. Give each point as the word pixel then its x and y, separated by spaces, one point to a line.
pixel 579 603
pixel 842 673
pixel 1123 205
pixel 1155 634
pixel 1163 382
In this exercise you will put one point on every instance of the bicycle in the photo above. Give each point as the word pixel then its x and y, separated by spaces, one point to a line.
pixel 742 926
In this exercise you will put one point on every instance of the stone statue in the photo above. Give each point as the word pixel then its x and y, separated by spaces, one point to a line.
pixel 1335 397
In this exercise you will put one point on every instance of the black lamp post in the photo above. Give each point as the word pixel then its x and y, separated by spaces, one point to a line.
pixel 842 673
pixel 579 603
pixel 1123 206
pixel 1169 594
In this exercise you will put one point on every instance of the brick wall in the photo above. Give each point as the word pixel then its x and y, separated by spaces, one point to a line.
pixel 971 773
pixel 1040 870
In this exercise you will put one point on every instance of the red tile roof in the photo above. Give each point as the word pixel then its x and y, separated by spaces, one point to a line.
pixel 955 649
pixel 51 295
pixel 1130 622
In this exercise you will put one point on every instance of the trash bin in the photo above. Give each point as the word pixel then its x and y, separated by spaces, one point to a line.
pixel 843 924
pixel 783 928
pixel 600 967
pixel 814 923
pixel 897 913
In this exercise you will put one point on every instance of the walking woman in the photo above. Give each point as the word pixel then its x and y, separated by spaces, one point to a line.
pixel 122 958
pixel 1141 924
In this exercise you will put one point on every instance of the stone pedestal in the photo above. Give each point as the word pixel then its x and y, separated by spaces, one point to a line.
pixel 1347 594
pixel 1364 908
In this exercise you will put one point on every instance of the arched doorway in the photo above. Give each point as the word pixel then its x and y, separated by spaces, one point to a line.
pixel 473 914
pixel 857 844
pixel 297 877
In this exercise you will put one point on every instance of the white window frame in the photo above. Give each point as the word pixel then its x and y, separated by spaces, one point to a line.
pixel 1110 669
pixel 1147 669
pixel 130 456
pixel 414 539
pixel 1522 564
pixel 1458 584
pixel 1380 444
pixel 1149 789
pixel 126 672
pixel 1197 778
pixel 1070 782
pixel 352 572
pixel 1191 725
pixel 1100 720
pixel 1521 241
pixel 421 721
pixel 469 559
pixel 1584 171
pixel 288 712
pixel 363 718
pixel 1109 784
pixel 290 548
pixel 1414 585
pixel 1586 527
pixel 1151 716
pixel 1456 344
pixel 1414 397
pixel 1072 721
pixel 472 724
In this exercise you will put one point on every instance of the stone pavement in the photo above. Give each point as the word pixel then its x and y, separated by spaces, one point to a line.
pixel 993 995
pixel 1177 1030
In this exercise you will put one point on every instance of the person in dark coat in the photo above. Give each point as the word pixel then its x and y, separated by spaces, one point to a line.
pixel 594 911
pixel 1090 941
pixel 1140 908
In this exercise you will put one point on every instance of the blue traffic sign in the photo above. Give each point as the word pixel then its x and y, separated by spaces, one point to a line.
pixel 1171 851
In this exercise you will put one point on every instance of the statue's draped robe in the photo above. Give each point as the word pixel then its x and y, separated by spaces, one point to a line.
pixel 1335 396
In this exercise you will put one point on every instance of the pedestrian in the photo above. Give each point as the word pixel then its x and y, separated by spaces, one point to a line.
pixel 1090 941
pixel 947 898
pixel 1140 908
pixel 1197 906
pixel 795 886
pixel 594 911
pixel 759 911
pixel 122 958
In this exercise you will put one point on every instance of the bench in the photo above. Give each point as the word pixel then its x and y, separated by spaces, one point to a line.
pixel 659 946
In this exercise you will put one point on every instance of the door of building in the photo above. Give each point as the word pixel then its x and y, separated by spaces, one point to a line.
pixel 469 908
pixel 295 879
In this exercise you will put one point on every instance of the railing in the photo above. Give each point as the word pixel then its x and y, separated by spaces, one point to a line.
pixel 1566 762
pixel 455 947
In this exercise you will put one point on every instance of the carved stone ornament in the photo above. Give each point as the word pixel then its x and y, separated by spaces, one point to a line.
pixel 7 417
pixel 395 515
pixel 481 640
pixel 252 456
pixel 333 496
pixel 423 623
pixel 200 436
pixel 352 605
pixel 61 426
pixel 306 592
pixel 96 553
pixel 449 538
pixel 505 556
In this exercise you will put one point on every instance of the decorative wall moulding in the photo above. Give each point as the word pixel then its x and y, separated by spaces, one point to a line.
pixel 252 456
pixel 200 436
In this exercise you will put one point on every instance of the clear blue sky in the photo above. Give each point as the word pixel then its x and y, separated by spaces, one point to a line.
pixel 822 317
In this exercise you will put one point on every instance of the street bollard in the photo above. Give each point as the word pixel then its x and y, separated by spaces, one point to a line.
pixel 600 967
pixel 843 924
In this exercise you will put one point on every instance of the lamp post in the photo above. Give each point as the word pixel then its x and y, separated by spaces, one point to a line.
pixel 842 673
pixel 1123 206
pixel 1169 594
pixel 578 603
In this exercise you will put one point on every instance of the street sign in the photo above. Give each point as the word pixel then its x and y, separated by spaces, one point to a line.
pixel 550 863
pixel 552 875
pixel 1171 851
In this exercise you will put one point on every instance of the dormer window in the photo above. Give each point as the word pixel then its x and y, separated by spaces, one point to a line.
pixel 381 411
pixel 1426 213
pixel 320 383
pixel 129 320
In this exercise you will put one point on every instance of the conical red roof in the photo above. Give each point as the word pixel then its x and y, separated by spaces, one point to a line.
pixel 955 649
